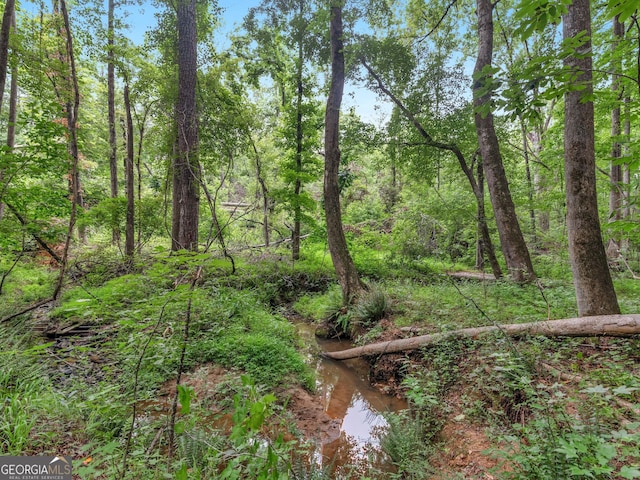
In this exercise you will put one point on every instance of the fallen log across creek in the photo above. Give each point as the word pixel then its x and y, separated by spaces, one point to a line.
pixel 595 326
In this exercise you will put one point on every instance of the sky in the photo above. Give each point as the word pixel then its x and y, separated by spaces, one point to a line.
pixel 365 103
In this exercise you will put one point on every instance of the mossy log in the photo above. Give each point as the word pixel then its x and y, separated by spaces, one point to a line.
pixel 595 326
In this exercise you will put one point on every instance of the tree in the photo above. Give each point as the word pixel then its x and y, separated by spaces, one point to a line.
pixel 111 101
pixel 5 32
pixel 591 277
pixel 342 262
pixel 10 18
pixel 512 241
pixel 129 229
pixel 286 42
pixel 186 169
pixel 615 168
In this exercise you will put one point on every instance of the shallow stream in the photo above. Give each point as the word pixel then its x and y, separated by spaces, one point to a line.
pixel 348 398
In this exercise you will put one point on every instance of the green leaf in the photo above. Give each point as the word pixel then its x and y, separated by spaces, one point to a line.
pixel 184 395
pixel 599 389
pixel 624 390
pixel 629 472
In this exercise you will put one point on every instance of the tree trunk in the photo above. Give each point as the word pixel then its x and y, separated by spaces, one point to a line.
pixel 615 167
pixel 342 262
pixel 186 169
pixel 626 169
pixel 130 242
pixel 530 187
pixel 264 192
pixel 486 245
pixel 512 241
pixel 591 276
pixel 13 116
pixel 72 106
pixel 5 33
pixel 605 325
pixel 111 106
pixel 297 207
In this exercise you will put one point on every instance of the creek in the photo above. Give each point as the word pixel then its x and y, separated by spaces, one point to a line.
pixel 349 399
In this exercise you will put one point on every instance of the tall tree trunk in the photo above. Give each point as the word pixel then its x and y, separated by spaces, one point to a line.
pixel 615 167
pixel 626 170
pixel 130 242
pixel 111 106
pixel 591 276
pixel 72 106
pixel 186 169
pixel 141 126
pixel 297 208
pixel 512 241
pixel 13 115
pixel 342 262
pixel 5 33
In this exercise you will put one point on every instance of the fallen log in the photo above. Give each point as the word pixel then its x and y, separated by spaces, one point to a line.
pixel 471 276
pixel 595 326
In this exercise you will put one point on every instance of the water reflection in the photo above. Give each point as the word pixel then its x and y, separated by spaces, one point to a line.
pixel 348 397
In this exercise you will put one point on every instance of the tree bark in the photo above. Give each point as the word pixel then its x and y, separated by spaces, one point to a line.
pixel 13 116
pixel 111 107
pixel 342 262
pixel 130 242
pixel 513 246
pixel 596 326
pixel 591 277
pixel 186 169
pixel 615 167
pixel 5 33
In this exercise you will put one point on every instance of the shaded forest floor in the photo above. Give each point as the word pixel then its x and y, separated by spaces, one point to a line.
pixel 73 373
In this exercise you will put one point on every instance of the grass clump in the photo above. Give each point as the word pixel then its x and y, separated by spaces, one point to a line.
pixel 371 307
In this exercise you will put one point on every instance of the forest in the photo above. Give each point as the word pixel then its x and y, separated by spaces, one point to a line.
pixel 321 239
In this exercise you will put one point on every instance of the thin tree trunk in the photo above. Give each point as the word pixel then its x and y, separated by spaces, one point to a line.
pixel 186 168
pixel 130 242
pixel 297 209
pixel 512 241
pixel 530 187
pixel 342 262
pixel 615 167
pixel 606 325
pixel 111 101
pixel 265 194
pixel 141 123
pixel 484 237
pixel 72 108
pixel 626 170
pixel 591 277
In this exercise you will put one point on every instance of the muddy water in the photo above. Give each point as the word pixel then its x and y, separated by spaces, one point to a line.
pixel 348 398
